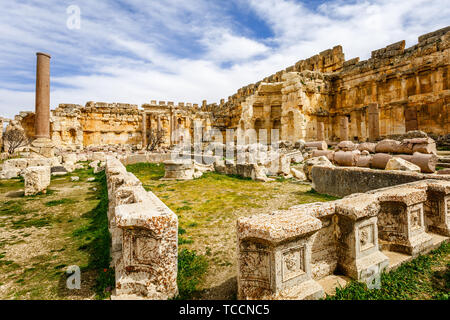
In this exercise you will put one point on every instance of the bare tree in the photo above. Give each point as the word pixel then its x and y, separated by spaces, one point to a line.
pixel 155 138
pixel 15 138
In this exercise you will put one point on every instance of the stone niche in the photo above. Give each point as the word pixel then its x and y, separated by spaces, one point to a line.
pixel 274 257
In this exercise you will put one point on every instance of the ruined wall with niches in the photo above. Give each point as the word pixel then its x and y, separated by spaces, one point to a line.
pixel 110 123
pixel 173 118
pixel 229 112
pixel 411 87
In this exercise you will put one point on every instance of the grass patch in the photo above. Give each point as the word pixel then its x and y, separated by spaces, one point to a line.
pixel 426 277
pixel 191 269
pixel 95 239
pixel 54 203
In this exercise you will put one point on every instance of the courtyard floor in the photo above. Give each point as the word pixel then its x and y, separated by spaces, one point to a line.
pixel 207 210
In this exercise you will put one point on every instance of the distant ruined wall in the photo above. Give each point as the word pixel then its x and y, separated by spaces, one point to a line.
pixel 323 97
pixel 411 87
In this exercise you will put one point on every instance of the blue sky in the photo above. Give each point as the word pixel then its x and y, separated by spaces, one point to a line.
pixel 135 51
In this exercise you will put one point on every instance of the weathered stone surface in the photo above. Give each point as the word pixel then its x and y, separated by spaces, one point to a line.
pixel 178 170
pixel 300 175
pixel 343 181
pixel 399 164
pixel 310 163
pixel 37 179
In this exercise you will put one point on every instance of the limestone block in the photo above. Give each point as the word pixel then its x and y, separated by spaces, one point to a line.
pixel 148 266
pixel 298 174
pixel 274 256
pixel 82 157
pixel 99 156
pixel 319 161
pixel 20 164
pixel 178 170
pixel 94 164
pixel 10 173
pixel 437 207
pixel 357 233
pixel 74 179
pixel 300 144
pixel 37 179
pixel 69 158
pixel 297 157
pixel 401 220
pixel 397 163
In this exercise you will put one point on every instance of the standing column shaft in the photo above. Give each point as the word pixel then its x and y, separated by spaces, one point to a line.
pixel 144 130
pixel 42 112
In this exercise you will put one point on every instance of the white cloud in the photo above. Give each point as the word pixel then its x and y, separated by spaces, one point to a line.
pixel 175 50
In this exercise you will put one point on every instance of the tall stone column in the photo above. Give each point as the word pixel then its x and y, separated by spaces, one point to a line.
pixel 1 134
pixel 42 143
pixel 144 130
pixel 374 122
pixel 344 128
pixel 42 117
pixel 320 131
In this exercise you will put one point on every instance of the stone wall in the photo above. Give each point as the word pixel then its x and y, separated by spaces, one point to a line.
pixel 343 181
pixel 144 234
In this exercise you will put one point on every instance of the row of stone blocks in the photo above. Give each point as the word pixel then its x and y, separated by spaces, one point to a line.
pixel 281 255
pixel 144 237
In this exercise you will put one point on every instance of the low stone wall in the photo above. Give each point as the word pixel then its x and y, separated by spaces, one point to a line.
pixel 282 255
pixel 144 234
pixel 343 181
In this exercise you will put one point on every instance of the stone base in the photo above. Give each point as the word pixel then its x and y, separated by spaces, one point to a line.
pixel 366 269
pixel 44 147
pixel 308 290
pixel 413 247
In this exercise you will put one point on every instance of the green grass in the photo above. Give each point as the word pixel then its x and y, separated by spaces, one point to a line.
pixel 95 239
pixel 75 231
pixel 426 277
pixel 191 269
pixel 59 202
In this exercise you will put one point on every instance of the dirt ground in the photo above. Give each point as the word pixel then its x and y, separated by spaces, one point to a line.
pixel 37 243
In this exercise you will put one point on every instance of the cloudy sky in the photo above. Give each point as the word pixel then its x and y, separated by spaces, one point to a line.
pixel 135 51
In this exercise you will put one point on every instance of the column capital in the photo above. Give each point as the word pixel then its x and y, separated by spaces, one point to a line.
pixel 43 54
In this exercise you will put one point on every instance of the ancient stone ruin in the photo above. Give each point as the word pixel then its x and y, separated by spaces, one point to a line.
pixel 365 131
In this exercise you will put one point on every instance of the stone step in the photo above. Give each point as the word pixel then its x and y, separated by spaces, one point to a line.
pixel 443 165
pixel 444 160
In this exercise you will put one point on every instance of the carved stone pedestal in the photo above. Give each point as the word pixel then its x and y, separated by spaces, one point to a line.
pixel 357 234
pixel 401 220
pixel 274 258
pixel 437 207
